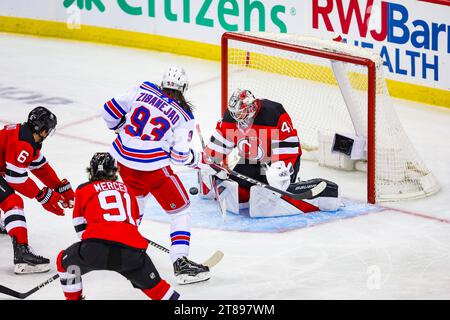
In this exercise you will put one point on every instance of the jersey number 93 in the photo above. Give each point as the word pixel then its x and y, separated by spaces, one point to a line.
pixel 140 118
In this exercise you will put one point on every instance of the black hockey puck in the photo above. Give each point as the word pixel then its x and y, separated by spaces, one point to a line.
pixel 193 190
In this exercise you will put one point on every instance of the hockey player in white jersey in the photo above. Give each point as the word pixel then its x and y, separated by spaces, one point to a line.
pixel 155 125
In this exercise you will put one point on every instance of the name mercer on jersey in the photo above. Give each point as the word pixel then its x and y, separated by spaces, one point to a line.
pixel 108 185
pixel 159 104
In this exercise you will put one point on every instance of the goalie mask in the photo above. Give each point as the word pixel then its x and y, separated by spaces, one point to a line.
pixel 102 167
pixel 242 107
pixel 175 78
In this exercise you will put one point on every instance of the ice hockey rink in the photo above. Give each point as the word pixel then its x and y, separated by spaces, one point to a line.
pixel 401 251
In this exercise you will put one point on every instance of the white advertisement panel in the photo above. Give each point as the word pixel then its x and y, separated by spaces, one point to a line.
pixel 412 37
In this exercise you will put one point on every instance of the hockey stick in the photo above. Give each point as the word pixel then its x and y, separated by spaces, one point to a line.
pixel 210 262
pixel 197 126
pixel 222 206
pixel 311 193
pixel 20 295
pixel 202 141
pixel 212 180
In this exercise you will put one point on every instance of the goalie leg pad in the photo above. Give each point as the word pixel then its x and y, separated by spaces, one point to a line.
pixel 328 203
pixel 204 183
pixel 228 195
pixel 265 203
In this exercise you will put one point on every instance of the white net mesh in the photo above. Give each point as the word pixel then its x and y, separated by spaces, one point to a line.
pixel 321 94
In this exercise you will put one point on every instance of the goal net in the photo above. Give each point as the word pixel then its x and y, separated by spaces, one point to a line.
pixel 330 88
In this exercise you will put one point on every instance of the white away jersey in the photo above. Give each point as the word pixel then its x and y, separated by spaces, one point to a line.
pixel 157 129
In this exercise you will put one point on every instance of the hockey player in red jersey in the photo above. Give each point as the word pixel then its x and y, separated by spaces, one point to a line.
pixel 270 152
pixel 155 125
pixel 105 219
pixel 20 150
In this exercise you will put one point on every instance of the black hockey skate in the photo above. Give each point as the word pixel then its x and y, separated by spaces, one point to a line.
pixel 187 271
pixel 26 261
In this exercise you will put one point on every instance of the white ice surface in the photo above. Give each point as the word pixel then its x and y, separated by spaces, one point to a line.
pixel 401 253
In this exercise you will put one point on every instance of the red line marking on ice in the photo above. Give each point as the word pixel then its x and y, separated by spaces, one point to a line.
pixel 57 133
pixel 417 214
pixel 65 135
pixel 90 118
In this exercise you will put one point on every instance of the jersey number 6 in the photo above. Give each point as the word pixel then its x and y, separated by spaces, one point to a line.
pixel 139 120
pixel 23 156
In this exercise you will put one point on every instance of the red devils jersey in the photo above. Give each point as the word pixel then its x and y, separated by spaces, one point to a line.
pixel 270 138
pixel 19 153
pixel 106 210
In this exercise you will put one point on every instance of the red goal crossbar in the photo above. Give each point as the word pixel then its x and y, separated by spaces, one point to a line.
pixel 226 37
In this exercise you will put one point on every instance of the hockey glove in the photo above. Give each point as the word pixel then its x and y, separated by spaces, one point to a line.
pixel 194 158
pixel 206 169
pixel 279 175
pixel 119 125
pixel 65 190
pixel 50 201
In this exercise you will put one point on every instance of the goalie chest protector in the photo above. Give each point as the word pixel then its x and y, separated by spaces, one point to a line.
pixel 255 142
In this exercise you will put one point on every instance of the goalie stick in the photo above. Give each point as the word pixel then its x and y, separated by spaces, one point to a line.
pixel 311 193
pixel 222 205
pixel 210 262
pixel 197 126
pixel 212 179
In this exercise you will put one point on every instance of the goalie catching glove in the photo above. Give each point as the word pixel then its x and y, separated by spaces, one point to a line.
pixel 279 175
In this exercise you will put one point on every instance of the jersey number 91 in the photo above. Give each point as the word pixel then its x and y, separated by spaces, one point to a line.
pixel 116 204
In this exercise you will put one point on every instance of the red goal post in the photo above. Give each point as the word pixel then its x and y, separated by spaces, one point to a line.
pixel 331 52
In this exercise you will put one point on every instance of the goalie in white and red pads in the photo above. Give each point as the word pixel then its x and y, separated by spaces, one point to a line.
pixel 270 152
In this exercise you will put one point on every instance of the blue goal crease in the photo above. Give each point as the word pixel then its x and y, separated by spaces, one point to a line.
pixel 205 214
